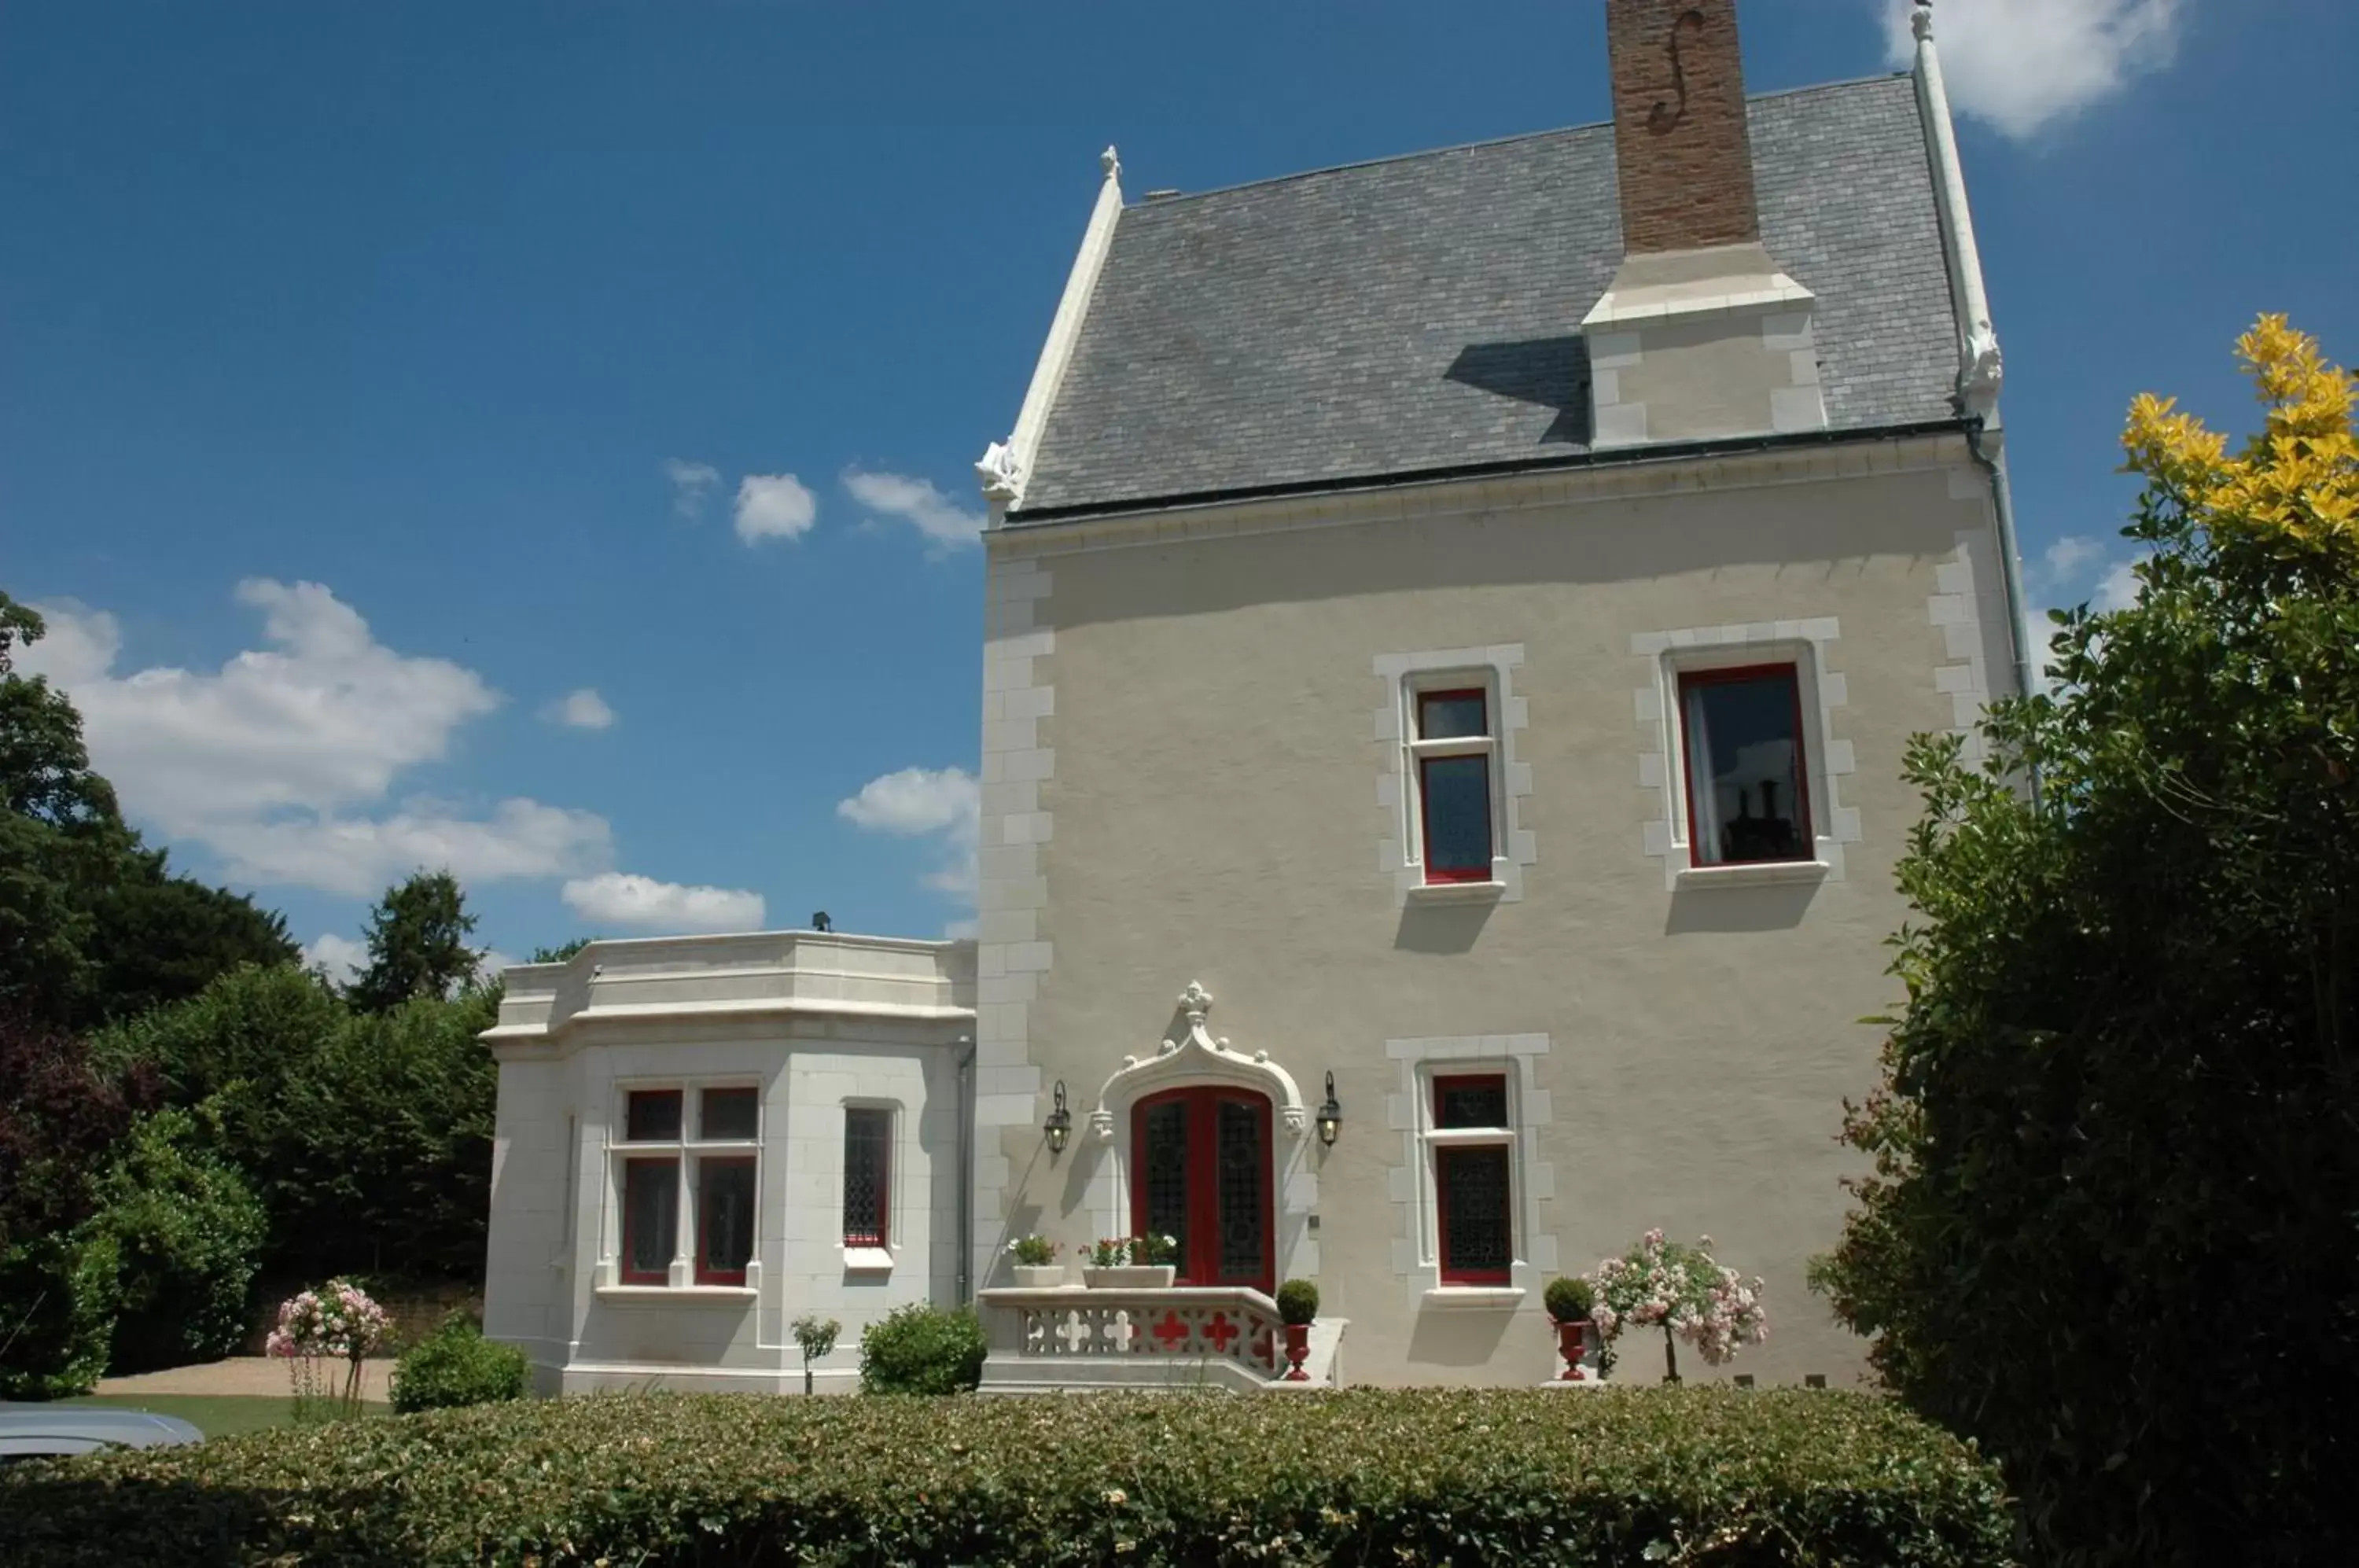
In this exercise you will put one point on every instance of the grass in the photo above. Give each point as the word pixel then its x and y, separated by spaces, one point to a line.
pixel 215 1415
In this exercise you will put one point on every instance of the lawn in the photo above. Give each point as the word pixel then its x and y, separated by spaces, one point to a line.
pixel 215 1415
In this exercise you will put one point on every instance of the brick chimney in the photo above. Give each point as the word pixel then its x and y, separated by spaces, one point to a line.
pixel 1679 125
pixel 1700 337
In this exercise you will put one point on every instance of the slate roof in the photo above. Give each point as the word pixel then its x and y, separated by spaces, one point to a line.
pixel 1423 313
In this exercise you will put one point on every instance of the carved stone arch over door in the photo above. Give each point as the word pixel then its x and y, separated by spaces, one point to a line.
pixel 1207 1143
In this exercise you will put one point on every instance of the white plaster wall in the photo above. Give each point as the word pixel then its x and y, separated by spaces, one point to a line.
pixel 526 1263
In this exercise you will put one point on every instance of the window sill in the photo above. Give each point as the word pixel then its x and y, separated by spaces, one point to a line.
pixel 677 1292
pixel 1456 892
pixel 868 1260
pixel 1475 1298
pixel 1766 872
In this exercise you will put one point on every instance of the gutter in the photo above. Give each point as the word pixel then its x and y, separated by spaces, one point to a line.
pixel 1619 457
pixel 965 1284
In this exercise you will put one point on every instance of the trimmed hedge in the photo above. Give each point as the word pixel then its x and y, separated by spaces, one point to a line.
pixel 1699 1475
pixel 456 1365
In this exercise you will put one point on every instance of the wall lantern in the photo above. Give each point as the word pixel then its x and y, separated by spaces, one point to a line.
pixel 1331 1115
pixel 1061 1122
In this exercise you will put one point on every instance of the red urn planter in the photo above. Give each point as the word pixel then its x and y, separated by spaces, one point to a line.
pixel 1298 1351
pixel 1572 1343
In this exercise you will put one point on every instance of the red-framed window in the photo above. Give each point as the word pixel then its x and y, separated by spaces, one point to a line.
pixel 868 1176
pixel 1474 1179
pixel 724 1217
pixel 1452 753
pixel 651 1219
pixel 701 1182
pixel 1748 766
pixel 1201 1173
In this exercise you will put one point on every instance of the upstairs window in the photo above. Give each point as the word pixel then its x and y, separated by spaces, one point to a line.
pixel 1453 755
pixel 1472 1145
pixel 868 1176
pixel 1748 777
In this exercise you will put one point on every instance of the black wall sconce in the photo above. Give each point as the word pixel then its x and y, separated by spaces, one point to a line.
pixel 1331 1115
pixel 1061 1122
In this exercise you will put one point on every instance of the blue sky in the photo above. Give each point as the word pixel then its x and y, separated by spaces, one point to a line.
pixel 377 380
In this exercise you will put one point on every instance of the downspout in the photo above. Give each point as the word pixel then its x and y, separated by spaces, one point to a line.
pixel 966 1169
pixel 1981 367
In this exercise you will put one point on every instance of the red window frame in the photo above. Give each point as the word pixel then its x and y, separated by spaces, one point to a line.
pixel 662 1276
pixel 1204 1176
pixel 1434 874
pixel 883 1146
pixel 705 1273
pixel 1443 1157
pixel 1804 833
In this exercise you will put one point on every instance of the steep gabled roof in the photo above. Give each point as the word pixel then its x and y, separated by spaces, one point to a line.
pixel 1423 313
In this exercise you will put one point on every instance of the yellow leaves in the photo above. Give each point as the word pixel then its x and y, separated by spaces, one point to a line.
pixel 2297 482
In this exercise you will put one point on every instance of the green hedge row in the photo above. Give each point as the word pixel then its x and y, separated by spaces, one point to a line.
pixel 1693 1476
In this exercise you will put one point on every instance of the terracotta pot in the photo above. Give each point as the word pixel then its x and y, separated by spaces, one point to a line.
pixel 1039 1276
pixel 1298 1351
pixel 1129 1276
pixel 1572 1343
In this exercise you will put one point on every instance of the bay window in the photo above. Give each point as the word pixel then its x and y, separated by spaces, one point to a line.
pixel 696 1181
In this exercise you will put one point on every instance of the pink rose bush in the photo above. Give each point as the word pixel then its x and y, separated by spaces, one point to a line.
pixel 1685 1292
pixel 334 1321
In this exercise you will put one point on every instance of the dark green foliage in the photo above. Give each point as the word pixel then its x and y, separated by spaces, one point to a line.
pixel 561 953
pixel 1298 1301
pixel 187 1237
pixel 155 938
pixel 1570 1298
pixel 920 1349
pixel 456 1365
pixel 58 1114
pixel 1699 1477
pixel 2111 1230
pixel 418 944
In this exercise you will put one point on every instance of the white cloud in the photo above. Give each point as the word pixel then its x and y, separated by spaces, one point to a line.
pixel 2118 589
pixel 2022 65
pixel 693 484
pixel 958 931
pixel 582 710
pixel 920 803
pixel 917 503
pixel 491 963
pixel 276 760
pixel 340 958
pixel 913 801
pixel 614 898
pixel 2065 560
pixel 773 505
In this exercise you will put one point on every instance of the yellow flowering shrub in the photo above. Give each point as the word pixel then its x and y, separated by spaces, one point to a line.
pixel 2297 482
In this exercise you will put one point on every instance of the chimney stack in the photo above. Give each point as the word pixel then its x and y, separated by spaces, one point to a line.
pixel 1700 337
pixel 1680 126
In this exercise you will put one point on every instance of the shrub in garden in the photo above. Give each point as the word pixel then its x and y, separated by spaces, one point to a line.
pixel 1298 1301
pixel 324 1334
pixel 456 1365
pixel 2108 1233
pixel 188 1237
pixel 920 1349
pixel 1703 1476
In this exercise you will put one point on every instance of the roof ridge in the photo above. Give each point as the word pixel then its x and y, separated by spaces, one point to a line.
pixel 1175 198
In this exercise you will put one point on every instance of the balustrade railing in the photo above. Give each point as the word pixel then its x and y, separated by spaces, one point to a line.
pixel 1237 1330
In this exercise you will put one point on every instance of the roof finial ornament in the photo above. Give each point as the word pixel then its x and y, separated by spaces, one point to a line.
pixel 1195 1001
pixel 1920 21
pixel 1111 161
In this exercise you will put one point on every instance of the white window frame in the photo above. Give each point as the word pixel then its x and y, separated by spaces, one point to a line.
pixel 1414 1184
pixel 688 1150
pixel 1400 787
pixel 1827 760
pixel 872 1259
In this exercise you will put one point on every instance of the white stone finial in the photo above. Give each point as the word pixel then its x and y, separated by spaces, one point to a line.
pixel 1920 21
pixel 1111 161
pixel 1000 471
pixel 1195 1001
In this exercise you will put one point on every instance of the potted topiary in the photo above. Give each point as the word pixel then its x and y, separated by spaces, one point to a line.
pixel 1131 1263
pixel 1298 1305
pixel 1035 1265
pixel 1570 1301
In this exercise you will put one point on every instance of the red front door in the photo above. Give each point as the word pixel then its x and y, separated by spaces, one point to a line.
pixel 1201 1174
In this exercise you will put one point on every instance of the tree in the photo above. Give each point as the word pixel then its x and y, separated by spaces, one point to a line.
pixel 58 1114
pixel 157 938
pixel 561 953
pixel 185 1236
pixel 418 944
pixel 2109 1229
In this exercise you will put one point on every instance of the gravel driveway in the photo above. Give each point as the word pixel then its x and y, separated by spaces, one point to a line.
pixel 248 1375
